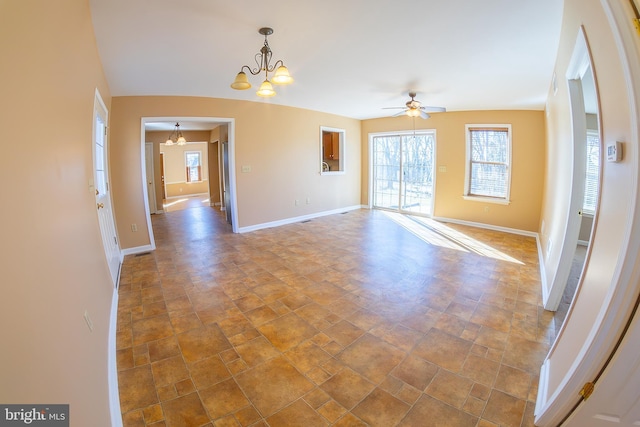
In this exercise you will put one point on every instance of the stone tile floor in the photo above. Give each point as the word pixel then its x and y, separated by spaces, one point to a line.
pixel 356 319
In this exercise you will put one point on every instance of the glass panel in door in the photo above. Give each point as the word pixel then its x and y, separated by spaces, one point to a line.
pixel 417 173
pixel 386 171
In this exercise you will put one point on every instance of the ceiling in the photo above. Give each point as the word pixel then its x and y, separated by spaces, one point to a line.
pixel 348 57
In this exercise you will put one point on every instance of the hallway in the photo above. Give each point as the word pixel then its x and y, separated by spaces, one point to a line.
pixel 188 202
pixel 343 320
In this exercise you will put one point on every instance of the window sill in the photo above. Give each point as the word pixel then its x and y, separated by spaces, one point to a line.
pixel 487 200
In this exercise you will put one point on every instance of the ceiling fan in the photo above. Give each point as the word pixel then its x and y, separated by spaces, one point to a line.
pixel 415 108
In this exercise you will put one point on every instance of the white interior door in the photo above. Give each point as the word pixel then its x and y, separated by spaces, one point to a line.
pixel 615 400
pixel 103 195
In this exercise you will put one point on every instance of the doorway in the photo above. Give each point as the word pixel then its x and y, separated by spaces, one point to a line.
pixel 193 123
pixel 402 171
pixel 586 167
pixel 587 149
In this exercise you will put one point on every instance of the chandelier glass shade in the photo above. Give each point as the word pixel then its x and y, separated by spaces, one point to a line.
pixel 281 74
pixel 176 137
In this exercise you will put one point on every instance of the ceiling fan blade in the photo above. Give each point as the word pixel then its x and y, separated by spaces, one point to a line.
pixel 401 113
pixel 433 109
pixel 424 115
pixel 392 108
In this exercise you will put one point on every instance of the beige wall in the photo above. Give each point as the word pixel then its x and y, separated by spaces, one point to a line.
pixel 186 189
pixel 53 265
pixel 281 145
pixel 618 179
pixel 527 159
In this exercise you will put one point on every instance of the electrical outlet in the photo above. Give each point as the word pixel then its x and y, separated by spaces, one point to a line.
pixel 88 320
pixel 134 227
pixel 296 202
pixel 308 200
pixel 486 209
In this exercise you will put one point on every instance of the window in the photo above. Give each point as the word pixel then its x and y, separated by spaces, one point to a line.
pixel 488 169
pixel 194 166
pixel 593 167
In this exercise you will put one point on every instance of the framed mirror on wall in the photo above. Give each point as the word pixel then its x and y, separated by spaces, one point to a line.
pixel 332 143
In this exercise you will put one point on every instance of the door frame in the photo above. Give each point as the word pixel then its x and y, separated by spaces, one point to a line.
pixel 232 172
pixel 552 297
pixel 164 186
pixel 149 161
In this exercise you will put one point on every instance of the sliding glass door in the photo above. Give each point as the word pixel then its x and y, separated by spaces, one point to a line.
pixel 402 166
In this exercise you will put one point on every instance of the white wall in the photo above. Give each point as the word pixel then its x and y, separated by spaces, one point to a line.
pixel 608 276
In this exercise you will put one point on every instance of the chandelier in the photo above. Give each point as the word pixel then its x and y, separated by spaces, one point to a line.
pixel 263 60
pixel 176 137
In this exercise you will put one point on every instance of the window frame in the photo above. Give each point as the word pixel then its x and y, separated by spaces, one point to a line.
pixel 469 128
pixel 188 168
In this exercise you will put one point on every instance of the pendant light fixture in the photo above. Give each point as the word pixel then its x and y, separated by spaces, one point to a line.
pixel 176 137
pixel 263 60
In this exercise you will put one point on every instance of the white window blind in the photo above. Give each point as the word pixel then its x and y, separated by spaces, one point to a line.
pixel 592 173
pixel 488 161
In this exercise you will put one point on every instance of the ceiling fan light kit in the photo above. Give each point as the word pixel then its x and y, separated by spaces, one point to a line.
pixel 415 108
pixel 281 74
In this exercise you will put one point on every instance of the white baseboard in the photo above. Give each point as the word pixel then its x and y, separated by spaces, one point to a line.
pixel 137 250
pixel 543 273
pixel 296 219
pixel 543 387
pixel 112 367
pixel 487 226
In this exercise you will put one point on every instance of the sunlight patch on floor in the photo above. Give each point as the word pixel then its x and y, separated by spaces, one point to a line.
pixel 436 233
pixel 175 202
